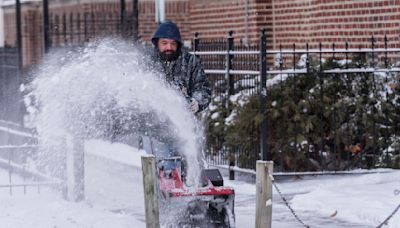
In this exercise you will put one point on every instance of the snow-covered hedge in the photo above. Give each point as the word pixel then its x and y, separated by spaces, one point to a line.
pixel 315 121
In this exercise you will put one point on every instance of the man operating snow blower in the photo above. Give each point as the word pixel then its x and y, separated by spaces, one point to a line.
pixel 210 204
pixel 183 72
pixel 181 69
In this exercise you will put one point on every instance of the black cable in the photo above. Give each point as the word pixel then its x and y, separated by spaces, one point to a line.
pixel 287 204
pixel 389 217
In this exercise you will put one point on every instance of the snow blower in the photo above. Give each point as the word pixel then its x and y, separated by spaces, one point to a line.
pixel 210 205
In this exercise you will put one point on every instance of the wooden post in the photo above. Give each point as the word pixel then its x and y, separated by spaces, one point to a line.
pixel 264 171
pixel 75 170
pixel 150 191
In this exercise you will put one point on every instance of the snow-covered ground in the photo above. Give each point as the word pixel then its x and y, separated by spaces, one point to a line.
pixel 326 201
pixel 114 197
pixel 113 191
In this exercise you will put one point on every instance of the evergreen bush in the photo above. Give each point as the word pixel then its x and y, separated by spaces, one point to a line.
pixel 315 121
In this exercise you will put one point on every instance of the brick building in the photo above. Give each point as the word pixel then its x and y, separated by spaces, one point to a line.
pixel 286 21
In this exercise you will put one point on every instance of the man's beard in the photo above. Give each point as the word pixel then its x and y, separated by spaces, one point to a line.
pixel 169 55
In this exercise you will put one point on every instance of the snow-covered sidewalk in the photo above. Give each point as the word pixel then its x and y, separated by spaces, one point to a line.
pixel 326 201
pixel 114 197
pixel 366 199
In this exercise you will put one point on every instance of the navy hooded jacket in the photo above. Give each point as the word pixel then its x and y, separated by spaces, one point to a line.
pixel 186 72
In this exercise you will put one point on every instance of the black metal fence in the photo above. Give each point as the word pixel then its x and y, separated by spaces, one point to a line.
pixel 280 82
pixel 77 29
pixel 326 107
pixel 243 67
pixel 9 100
pixel 72 29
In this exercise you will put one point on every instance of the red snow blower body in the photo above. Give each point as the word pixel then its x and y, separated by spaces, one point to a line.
pixel 209 205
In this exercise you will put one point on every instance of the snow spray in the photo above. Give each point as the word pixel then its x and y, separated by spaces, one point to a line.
pixel 76 92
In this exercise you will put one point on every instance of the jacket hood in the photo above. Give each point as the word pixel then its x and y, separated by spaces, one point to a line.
pixel 167 29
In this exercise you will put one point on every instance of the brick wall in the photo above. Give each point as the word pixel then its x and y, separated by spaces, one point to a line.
pixel 31 32
pixel 336 21
pixel 214 19
pixel 287 21
pixel 175 10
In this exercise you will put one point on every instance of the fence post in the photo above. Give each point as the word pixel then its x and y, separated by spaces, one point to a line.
pixel 18 21
pixel 18 25
pixel 78 26
pixel 229 77
pixel 85 27
pixel 122 11
pixel 321 114
pixel 71 28
pixel 263 96
pixel 75 169
pixel 135 20
pixel 264 171
pixel 229 91
pixel 196 41
pixel 46 34
pixel 57 27
pixel 93 25
pixel 64 31
pixel 150 191
pixel 374 145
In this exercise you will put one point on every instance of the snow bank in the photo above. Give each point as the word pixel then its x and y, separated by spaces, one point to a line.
pixel 366 199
